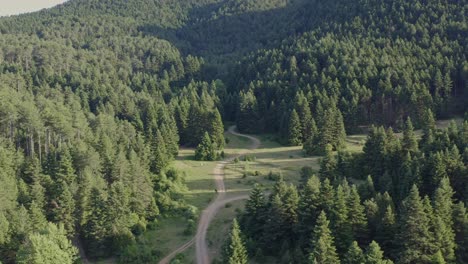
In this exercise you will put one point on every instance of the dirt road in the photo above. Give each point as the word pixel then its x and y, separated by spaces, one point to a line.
pixel 208 214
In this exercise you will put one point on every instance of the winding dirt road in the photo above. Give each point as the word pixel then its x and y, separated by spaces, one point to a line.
pixel 208 214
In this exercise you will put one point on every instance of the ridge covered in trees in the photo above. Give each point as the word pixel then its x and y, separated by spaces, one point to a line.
pixel 97 95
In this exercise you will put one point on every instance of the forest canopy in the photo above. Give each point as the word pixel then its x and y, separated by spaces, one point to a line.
pixel 96 96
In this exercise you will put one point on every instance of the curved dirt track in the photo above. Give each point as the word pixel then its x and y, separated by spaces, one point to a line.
pixel 202 253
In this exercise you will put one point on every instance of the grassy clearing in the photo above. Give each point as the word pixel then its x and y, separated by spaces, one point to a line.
pixel 270 157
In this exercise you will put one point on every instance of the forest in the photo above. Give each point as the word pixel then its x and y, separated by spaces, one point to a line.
pixel 98 97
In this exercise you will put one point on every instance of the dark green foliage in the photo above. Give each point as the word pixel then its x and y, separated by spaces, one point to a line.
pixel 415 237
pixel 354 255
pixel 96 95
pixel 328 165
pixel 294 135
pixel 460 219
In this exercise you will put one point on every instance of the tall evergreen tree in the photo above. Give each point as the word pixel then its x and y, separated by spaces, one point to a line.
pixel 443 209
pixel 206 150
pixel 374 255
pixel 415 238
pixel 323 248
pixel 354 255
pixel 328 165
pixel 235 252
pixel 294 135
pixel 409 142
pixel 460 217
pixel 356 216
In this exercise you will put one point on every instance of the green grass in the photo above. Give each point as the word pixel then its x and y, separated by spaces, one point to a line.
pixel 199 178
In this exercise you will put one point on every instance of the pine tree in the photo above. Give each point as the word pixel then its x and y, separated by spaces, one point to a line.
pixel 235 252
pixel 66 172
pixel 386 232
pixel 460 219
pixel 339 131
pixel 354 255
pixel 248 120
pixel 409 142
pixel 327 196
pixel 254 215
pixel 64 209
pixel 374 255
pixel 159 158
pixel 308 129
pixel 309 206
pixel 96 229
pixel 367 190
pixel 216 129
pixel 339 219
pixel 356 216
pixel 323 248
pixel 38 219
pixel 444 233
pixel 294 135
pixel 205 150
pixel 414 236
pixel 328 165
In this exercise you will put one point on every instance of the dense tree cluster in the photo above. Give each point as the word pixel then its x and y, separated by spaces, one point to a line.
pixel 415 212
pixel 369 61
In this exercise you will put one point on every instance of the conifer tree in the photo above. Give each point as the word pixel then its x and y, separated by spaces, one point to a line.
pixel 159 157
pixel 205 150
pixel 38 219
pixel 415 238
pixel 294 135
pixel 354 255
pixel 460 217
pixel 255 209
pixel 356 216
pixel 328 165
pixel 443 210
pixel 309 206
pixel 409 142
pixel 386 232
pixel 323 248
pixel 339 219
pixel 327 196
pixel 216 129
pixel 64 209
pixel 235 252
pixel 96 229
pixel 374 255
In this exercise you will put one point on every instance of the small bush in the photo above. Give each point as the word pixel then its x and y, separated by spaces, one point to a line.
pixel 273 176
pixel 190 228
pixel 228 205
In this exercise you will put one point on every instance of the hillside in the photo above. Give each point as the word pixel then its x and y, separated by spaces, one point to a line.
pixel 96 96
